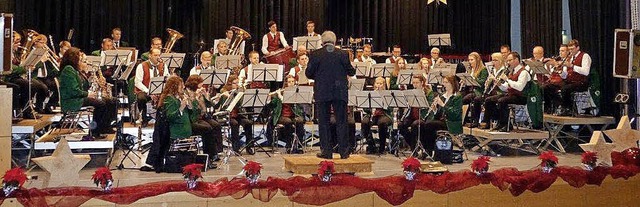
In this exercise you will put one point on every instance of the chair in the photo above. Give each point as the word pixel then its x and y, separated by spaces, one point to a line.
pixel 73 121
pixel 584 104
pixel 519 116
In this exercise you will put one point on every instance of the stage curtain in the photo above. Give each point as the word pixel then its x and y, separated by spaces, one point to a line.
pixel 593 24
pixel 541 24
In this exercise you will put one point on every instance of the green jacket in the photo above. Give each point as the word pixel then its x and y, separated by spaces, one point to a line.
pixel 453 111
pixel 482 78
pixel 16 72
pixel 96 53
pixel 73 89
pixel 179 122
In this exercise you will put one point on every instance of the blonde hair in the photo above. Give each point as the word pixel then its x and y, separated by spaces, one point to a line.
pixel 499 57
pixel 479 64
pixel 396 67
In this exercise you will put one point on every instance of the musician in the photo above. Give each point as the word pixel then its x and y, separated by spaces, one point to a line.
pixel 273 40
pixel 366 55
pixel 480 73
pixel 448 114
pixel 578 68
pixel 490 88
pixel 505 50
pixel 74 93
pixel 20 78
pixel 555 82
pixel 538 55
pixel 46 72
pixel 379 117
pixel 351 122
pixel 145 71
pixel 107 44
pixel 311 27
pixel 64 46
pixel 229 36
pixel 16 48
pixel 235 118
pixel 223 49
pixel 203 125
pixel 116 35
pixel 205 62
pixel 303 61
pixel 395 54
pixel 156 43
pixel 290 116
pixel 435 57
pixel 392 81
pixel 425 65
pixel 329 68
pixel 302 49
pixel 513 86
pixel 417 117
pixel 246 74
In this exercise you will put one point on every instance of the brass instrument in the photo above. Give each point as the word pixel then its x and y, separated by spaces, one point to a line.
pixel 239 36
pixel 99 84
pixel 28 46
pixel 50 54
pixel 173 37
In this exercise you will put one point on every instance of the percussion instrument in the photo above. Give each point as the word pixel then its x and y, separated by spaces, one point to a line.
pixel 280 56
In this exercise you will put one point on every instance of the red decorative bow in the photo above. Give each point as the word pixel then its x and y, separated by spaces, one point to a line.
pixel 481 164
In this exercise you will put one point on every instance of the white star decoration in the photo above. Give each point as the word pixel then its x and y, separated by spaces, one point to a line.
pixel 437 1
pixel 624 136
pixel 62 166
pixel 598 145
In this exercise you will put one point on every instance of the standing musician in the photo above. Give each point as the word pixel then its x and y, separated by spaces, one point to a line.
pixel 246 74
pixel 74 92
pixel 490 86
pixel 513 85
pixel 290 116
pixel 145 71
pixel 205 62
pixel 273 40
pixel 235 118
pixel 395 54
pixel 116 35
pixel 311 27
pixel 379 117
pixel 46 71
pixel 329 68
pixel 202 125
pixel 156 43
pixel 578 68
pixel 480 73
pixel 555 82
pixel 229 36
pixel 351 121
pixel 417 116
pixel 448 114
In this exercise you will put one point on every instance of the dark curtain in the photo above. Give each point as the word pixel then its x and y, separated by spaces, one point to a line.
pixel 541 23
pixel 480 26
pixel 593 23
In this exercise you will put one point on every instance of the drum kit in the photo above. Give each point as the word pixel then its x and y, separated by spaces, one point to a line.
pixel 353 46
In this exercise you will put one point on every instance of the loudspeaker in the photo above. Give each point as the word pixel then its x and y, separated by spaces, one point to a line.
pixel 626 53
pixel 6 24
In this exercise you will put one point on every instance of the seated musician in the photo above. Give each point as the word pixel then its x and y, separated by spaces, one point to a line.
pixel 366 55
pixel 156 43
pixel 311 27
pixel 490 86
pixel 505 50
pixel 274 40
pixel 145 71
pixel 578 68
pixel 246 74
pixel 229 36
pixel 302 61
pixel 448 115
pixel 20 80
pixel 107 44
pixel 395 54
pixel 417 117
pixel 480 73
pixel 392 81
pixel 557 75
pixel 203 125
pixel 74 93
pixel 116 35
pixel 223 49
pixel 64 46
pixel 205 62
pixel 293 62
pixel 513 86
pixel 46 71
pixel 435 57
pixel 290 116
pixel 380 117
pixel 425 65
pixel 235 118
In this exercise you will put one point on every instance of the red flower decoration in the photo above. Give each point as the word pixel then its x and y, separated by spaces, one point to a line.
pixel 632 156
pixel 252 167
pixel 192 171
pixel 548 159
pixel 101 176
pixel 411 164
pixel 15 176
pixel 326 167
pixel 481 164
pixel 589 158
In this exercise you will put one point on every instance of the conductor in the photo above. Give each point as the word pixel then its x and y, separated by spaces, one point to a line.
pixel 329 68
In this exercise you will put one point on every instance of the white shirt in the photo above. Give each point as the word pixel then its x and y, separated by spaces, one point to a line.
pixel 195 71
pixel 519 85
pixel 246 76
pixel 41 71
pixel 140 76
pixel 586 64
pixel 365 59
pixel 265 41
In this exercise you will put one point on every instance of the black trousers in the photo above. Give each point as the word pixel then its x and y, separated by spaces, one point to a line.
pixel 499 105
pixel 568 89
pixel 351 131
pixel 552 97
pixel 247 125
pixel 411 134
pixel 431 132
pixel 324 125
pixel 291 125
pixel 470 99
pixel 383 122
pixel 38 89
pixel 104 112
pixel 211 133
pixel 50 82
pixel 142 99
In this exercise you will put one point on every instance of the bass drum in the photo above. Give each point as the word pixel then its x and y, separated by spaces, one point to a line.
pixel 281 56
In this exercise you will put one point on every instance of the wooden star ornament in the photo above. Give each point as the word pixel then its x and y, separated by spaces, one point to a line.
pixel 62 167
pixel 624 136
pixel 598 145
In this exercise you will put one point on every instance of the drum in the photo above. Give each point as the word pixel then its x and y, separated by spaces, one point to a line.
pixel 281 56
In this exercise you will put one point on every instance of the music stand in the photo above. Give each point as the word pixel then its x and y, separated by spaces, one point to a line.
pixel 382 70
pixel 370 100
pixel 362 69
pixel 254 99
pixel 297 95
pixel 467 80
pixel 267 72
pixel 173 60
pixel 417 99
pixel 436 40
pixel 405 76
pixel 312 43
pixel 356 84
pixel 156 85
pixel 93 61
pixel 440 71
pixel 413 66
pixel 536 67
pixel 115 57
pixel 29 63
pixel 214 76
pixel 228 62
pixel 353 98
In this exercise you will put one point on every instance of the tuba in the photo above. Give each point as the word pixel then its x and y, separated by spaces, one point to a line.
pixel 28 46
pixel 239 36
pixel 173 37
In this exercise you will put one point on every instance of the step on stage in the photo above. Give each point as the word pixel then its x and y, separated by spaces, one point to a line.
pixel 307 165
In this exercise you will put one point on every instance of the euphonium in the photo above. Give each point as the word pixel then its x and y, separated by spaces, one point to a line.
pixel 173 37
pixel 239 36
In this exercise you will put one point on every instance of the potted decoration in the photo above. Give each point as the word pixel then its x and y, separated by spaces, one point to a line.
pixel 12 180
pixel 102 178
pixel 326 170
pixel 481 165
pixel 549 161
pixel 252 171
pixel 192 173
pixel 411 167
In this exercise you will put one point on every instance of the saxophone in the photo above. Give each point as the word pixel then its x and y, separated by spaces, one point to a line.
pixel 99 84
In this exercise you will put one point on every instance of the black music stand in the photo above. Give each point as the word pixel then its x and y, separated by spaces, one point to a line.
pixel 173 60
pixel 255 99
pixel 356 84
pixel 297 95
pixel 438 40
pixel 467 80
pixel 536 67
pixel 417 99
pixel 228 62
pixel 311 43
pixel 369 100
pixel 438 73
pixel 362 69
pixel 405 76
pixel 29 63
pixel 382 70
pixel 214 77
pixel 394 99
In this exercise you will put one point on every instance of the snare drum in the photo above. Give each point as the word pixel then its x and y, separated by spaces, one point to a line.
pixel 281 56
